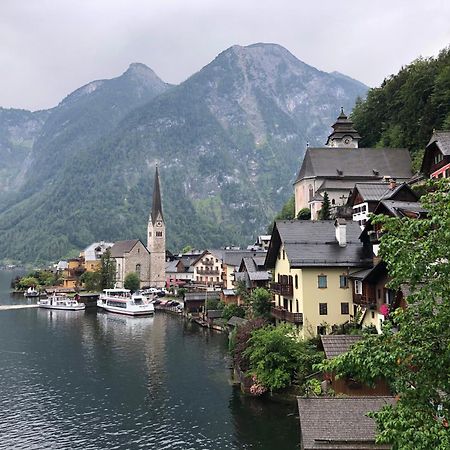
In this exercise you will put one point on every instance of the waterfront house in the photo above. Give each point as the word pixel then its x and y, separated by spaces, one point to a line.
pixel 232 260
pixel 195 302
pixel 337 167
pixel 131 256
pixel 436 159
pixel 72 273
pixel 180 271
pixel 336 344
pixel 92 255
pixel 311 263
pixel 208 268
pixel 339 423
pixel 252 272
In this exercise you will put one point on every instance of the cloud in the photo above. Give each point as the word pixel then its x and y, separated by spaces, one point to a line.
pixel 48 48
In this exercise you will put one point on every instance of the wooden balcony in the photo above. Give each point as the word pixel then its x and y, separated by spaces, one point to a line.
pixel 207 272
pixel 284 314
pixel 286 290
pixel 364 300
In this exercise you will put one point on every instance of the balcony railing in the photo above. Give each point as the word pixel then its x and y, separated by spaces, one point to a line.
pixel 207 272
pixel 364 300
pixel 207 262
pixel 286 290
pixel 284 314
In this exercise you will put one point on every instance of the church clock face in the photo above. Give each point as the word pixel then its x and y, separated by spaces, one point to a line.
pixel 347 140
pixel 158 224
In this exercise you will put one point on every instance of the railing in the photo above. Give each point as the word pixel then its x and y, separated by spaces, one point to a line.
pixel 208 272
pixel 284 314
pixel 207 262
pixel 286 290
pixel 364 300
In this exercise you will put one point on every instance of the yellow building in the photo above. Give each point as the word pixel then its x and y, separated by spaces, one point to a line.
pixel 311 262
pixel 92 255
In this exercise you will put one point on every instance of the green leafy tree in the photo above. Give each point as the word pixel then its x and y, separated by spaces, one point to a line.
pixel 107 270
pixel 261 302
pixel 413 351
pixel 232 310
pixel 286 213
pixel 91 280
pixel 131 281
pixel 324 213
pixel 304 214
pixel 275 356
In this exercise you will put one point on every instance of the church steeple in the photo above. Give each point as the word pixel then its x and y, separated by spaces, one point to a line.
pixel 156 203
pixel 344 134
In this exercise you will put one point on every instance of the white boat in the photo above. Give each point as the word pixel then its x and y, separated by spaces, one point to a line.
pixel 61 301
pixel 121 301
pixel 31 292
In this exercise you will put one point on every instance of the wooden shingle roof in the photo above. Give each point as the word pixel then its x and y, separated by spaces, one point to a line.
pixel 336 344
pixel 339 423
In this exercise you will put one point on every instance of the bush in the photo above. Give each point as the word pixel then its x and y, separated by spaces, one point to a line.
pixel 131 282
pixel 232 310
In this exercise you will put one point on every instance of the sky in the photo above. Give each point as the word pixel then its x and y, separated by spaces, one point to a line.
pixel 49 48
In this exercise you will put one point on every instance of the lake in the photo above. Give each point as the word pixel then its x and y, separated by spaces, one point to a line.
pixel 93 380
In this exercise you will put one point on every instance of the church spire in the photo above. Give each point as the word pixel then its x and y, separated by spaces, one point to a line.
pixel 344 134
pixel 156 203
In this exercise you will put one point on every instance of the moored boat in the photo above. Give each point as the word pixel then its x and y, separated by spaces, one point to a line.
pixel 61 301
pixel 121 301
pixel 31 292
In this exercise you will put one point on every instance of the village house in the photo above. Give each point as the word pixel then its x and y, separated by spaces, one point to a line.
pixel 72 272
pixel 252 273
pixel 337 167
pixel 92 255
pixel 312 262
pixel 436 159
pixel 339 423
pixel 208 268
pixel 231 262
pixel 180 271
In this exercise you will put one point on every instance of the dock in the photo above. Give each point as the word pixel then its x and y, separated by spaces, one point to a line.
pixel 9 307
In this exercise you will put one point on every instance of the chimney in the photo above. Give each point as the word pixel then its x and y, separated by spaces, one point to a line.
pixel 340 226
pixel 392 183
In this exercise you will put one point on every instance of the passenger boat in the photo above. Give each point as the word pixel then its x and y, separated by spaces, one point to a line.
pixel 61 301
pixel 31 292
pixel 121 301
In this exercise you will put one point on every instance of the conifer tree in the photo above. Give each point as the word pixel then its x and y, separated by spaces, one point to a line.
pixel 324 213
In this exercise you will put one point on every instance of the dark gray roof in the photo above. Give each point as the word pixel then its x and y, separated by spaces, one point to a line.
pixel 234 257
pixel 214 313
pixel 313 243
pixel 336 344
pixel 121 247
pixel 253 271
pixel 236 321
pixel 442 140
pixel 399 209
pixel 357 163
pixel 336 185
pixel 339 423
pixel 375 191
pixel 171 266
pixel 156 203
pixel 197 296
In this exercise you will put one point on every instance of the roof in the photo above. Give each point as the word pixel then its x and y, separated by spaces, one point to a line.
pixel 313 243
pixel 171 266
pixel 214 313
pixel 376 191
pixel 217 253
pixel 401 209
pixel 200 296
pixel 336 185
pixel 253 267
pixel 343 127
pixel 121 247
pixel 156 201
pixel 228 292
pixel 234 257
pixel 95 251
pixel 339 423
pixel 357 163
pixel 439 139
pixel 236 321
pixel 336 344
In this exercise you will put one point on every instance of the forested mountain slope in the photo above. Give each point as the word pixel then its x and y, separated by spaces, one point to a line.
pixel 228 141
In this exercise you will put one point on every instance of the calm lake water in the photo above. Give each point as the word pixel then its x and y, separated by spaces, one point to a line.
pixel 90 380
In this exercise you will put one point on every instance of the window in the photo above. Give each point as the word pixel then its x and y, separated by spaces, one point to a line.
pixel 138 270
pixel 296 305
pixel 321 329
pixel 333 202
pixel 296 281
pixel 358 287
pixel 283 254
pixel 345 308
pixel 323 309
pixel 438 158
pixel 159 234
pixel 149 234
pixel 373 314
pixel 311 192
pixel 343 281
pixel 321 281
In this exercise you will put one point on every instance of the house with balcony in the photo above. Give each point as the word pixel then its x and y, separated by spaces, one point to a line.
pixel 312 262
pixel 253 273
pixel 208 268
pixel 436 159
pixel 232 260
pixel 72 272
pixel 92 255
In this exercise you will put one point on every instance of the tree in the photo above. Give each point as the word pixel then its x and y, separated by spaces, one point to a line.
pixel 274 355
pixel 107 271
pixel 91 280
pixel 413 351
pixel 132 281
pixel 232 310
pixel 261 302
pixel 304 214
pixel 324 213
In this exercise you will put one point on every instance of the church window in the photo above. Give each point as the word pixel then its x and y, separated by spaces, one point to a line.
pixel 333 201
pixel 138 270
pixel 150 234
pixel 159 234
pixel 311 192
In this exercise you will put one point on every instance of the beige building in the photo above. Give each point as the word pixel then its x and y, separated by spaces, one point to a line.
pixel 131 256
pixel 311 262
pixel 92 255
pixel 208 268
pixel 337 167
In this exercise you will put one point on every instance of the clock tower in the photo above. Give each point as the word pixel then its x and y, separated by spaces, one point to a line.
pixel 344 134
pixel 156 238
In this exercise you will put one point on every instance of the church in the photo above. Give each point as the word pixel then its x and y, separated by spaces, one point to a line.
pixel 148 262
pixel 338 166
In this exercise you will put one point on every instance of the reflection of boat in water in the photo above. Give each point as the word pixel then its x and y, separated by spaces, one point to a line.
pixel 121 301
pixel 31 292
pixel 61 301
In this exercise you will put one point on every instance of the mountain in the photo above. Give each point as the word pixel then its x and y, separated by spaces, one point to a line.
pixel 228 142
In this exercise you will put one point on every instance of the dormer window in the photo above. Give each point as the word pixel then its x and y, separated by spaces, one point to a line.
pixel 438 157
